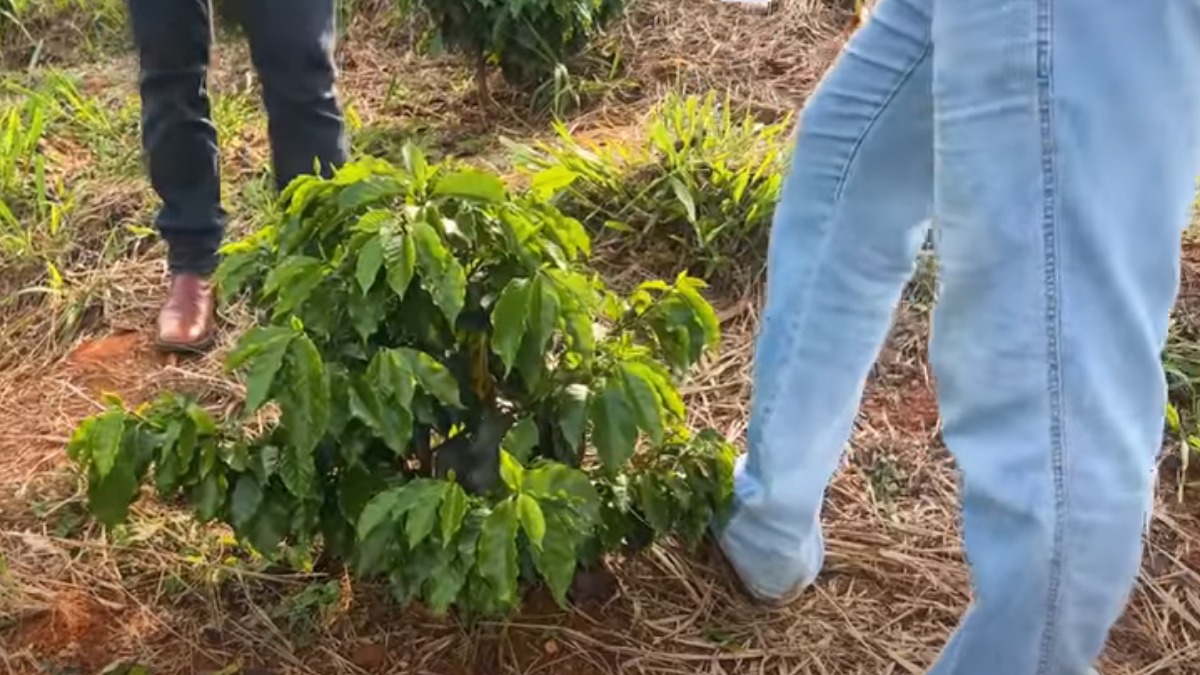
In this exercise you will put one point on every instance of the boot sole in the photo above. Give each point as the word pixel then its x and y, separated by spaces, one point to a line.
pixel 182 348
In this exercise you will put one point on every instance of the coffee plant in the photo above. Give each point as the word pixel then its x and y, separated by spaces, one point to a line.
pixel 530 40
pixel 438 393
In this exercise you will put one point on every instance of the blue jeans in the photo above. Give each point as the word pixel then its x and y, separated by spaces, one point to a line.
pixel 291 44
pixel 1055 144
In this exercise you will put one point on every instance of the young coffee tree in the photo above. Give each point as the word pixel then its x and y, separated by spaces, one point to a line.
pixel 450 400
pixel 530 40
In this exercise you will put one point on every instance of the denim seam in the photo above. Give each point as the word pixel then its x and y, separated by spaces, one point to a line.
pixel 1053 298
pixel 795 326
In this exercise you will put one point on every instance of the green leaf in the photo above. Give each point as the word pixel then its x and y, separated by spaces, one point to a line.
pixel 253 343
pixel 647 408
pixel 107 431
pixel 433 377
pixel 292 282
pixel 543 313
pixel 614 429
pixel 422 516
pixel 305 398
pixel 391 373
pixel 653 498
pixel 400 255
pixel 247 497
pixel 441 274
pixel 509 319
pixel 572 414
pixel 367 313
pixel 379 510
pixel 208 498
pixel 470 184
pixel 79 448
pixel 370 261
pixel 557 559
pixel 109 497
pixel 454 508
pixel 511 471
pixel 551 180
pixel 270 523
pixel 391 422
pixel 391 505
pixel 688 288
pixel 554 481
pixel 684 195
pixel 498 551
pixel 521 439
pixel 446 587
pixel 533 521
pixel 264 367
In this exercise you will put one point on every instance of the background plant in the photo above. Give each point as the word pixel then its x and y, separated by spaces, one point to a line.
pixel 452 401
pixel 703 178
pixel 531 41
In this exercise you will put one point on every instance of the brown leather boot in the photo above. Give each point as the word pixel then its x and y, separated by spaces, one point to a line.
pixel 185 323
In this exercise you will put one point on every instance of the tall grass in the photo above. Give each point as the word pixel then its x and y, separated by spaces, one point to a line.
pixel 704 180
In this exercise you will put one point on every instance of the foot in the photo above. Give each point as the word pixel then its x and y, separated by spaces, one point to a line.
pixel 185 323
pixel 746 588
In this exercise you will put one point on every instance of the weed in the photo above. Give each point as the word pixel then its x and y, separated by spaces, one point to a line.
pixel 704 179
pixel 1181 361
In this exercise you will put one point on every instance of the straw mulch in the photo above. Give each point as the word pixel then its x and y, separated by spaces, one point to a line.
pixel 167 593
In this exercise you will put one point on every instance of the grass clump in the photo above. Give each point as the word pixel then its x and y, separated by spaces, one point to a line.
pixel 703 178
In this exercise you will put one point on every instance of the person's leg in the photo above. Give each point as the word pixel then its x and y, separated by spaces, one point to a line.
pixel 173 38
pixel 291 43
pixel 1067 148
pixel 843 244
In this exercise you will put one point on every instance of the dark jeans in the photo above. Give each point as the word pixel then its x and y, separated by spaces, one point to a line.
pixel 291 45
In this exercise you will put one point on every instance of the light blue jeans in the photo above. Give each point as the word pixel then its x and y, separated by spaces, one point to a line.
pixel 1056 145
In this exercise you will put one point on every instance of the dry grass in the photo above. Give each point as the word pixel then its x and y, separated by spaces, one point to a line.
pixel 183 598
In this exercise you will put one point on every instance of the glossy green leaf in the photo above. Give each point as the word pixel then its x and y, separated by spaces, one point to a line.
pixel 556 560
pixel 572 414
pixel 470 184
pixel 543 311
pixel 370 261
pixel 441 274
pixel 400 257
pixel 511 472
pixel 243 504
pixel 270 523
pixel 208 498
pixel 643 397
pixel 107 431
pixel 509 320
pixel 521 439
pixel 109 497
pixel 379 510
pixel 455 505
pixel 558 482
pixel 390 421
pixel 533 521
pixel 423 515
pixel 253 343
pixel 498 551
pixel 446 587
pixel 264 367
pixel 292 282
pixel 305 398
pixel 391 373
pixel 614 428
pixel 433 377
